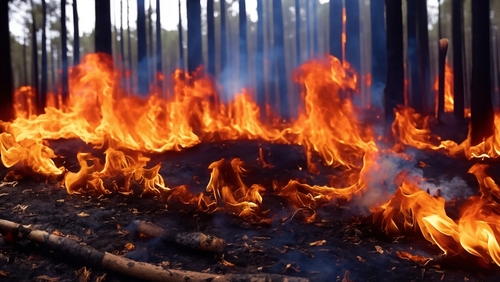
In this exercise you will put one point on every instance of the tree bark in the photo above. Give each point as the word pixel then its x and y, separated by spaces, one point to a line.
pixel 336 28
pixel 352 45
pixel 315 40
pixel 64 54
pixel 259 59
pixel 279 60
pixel 76 37
pixel 394 87
pixel 34 54
pixel 223 37
pixel 42 98
pixel 423 53
pixel 159 57
pixel 122 44
pixel 481 106
pixel 6 91
pixel 308 30
pixel 211 37
pixel 416 99
pixel 142 58
pixel 195 58
pixel 443 49
pixel 129 51
pixel 181 43
pixel 103 27
pixel 297 32
pixel 243 54
pixel 458 72
pixel 151 64
pixel 379 51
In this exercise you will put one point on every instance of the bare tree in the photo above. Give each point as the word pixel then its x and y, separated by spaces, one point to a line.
pixel 223 36
pixel 122 38
pixel 195 58
pixel 64 53
pixel 278 62
pixel 297 32
pixel 379 51
pixel 76 37
pixel 181 47
pixel 423 53
pixel 211 37
pixel 352 45
pixel 159 57
pixel 6 97
pixel 103 27
pixel 42 98
pixel 243 63
pixel 335 28
pixel 458 72
pixel 259 58
pixel 142 60
pixel 34 53
pixel 411 14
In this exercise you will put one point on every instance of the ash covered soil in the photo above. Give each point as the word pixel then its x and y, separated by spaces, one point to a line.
pixel 342 244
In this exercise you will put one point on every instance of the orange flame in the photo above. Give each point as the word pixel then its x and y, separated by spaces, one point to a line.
pixel 448 89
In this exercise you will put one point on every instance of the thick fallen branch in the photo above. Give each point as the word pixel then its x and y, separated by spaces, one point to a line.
pixel 139 270
pixel 193 240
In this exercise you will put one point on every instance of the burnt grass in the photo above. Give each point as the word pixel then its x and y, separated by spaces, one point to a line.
pixel 354 249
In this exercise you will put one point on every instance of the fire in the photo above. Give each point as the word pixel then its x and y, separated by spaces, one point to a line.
pixel 476 231
pixel 448 89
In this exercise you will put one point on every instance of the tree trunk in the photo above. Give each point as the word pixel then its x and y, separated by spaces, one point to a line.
pixel 394 87
pixel 458 72
pixel 352 45
pixel 481 106
pixel 181 44
pixel 315 40
pixel 122 38
pixel 416 99
pixel 297 32
pixel 443 49
pixel 195 58
pixel 25 63
pixel 6 95
pixel 142 58
pixel 423 53
pixel 159 57
pixel 336 28
pixel 42 98
pixel 243 54
pixel 211 37
pixel 308 30
pixel 103 27
pixel 129 51
pixel 64 54
pixel 379 51
pixel 34 55
pixel 259 59
pixel 223 36
pixel 53 68
pixel 150 56
pixel 279 60
pixel 76 37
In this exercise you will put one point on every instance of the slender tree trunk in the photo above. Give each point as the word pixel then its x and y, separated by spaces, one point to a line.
pixel 181 43
pixel 195 58
pixel 243 70
pixel 34 54
pixel 279 59
pixel 142 60
pixel 151 65
pixel 6 91
pixel 64 52
pixel 481 106
pixel 443 49
pixel 379 51
pixel 122 38
pixel 76 37
pixel 259 59
pixel 353 47
pixel 458 72
pixel 423 53
pixel 42 98
pixel 336 28
pixel 223 36
pixel 159 57
pixel 315 39
pixel 25 63
pixel 309 40
pixel 53 68
pixel 297 32
pixel 394 87
pixel 211 37
pixel 129 51
pixel 103 27
pixel 411 13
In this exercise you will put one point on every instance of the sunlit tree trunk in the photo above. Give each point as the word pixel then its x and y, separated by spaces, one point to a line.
pixel 335 28
pixel 181 47
pixel 211 37
pixel 394 87
pixel 458 73
pixel 142 60
pixel 6 89
pixel 423 54
pixel 411 13
pixel 103 27
pixel 42 98
pixel 279 60
pixel 481 106
pixel 76 37
pixel 379 51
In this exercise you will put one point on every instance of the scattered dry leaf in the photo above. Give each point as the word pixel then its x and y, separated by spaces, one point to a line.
pixel 89 232
pixel 83 274
pixel 347 273
pixel 4 194
pixel 361 259
pixel 318 243
pixel 46 278
pixel 83 214
pixel 415 258
pixel 129 246
pixel 4 273
pixel 58 233
pixel 379 249
pixel 293 267
pixel 5 183
pixel 101 278
pixel 226 263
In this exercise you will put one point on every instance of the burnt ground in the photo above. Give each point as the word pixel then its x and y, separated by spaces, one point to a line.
pixel 354 249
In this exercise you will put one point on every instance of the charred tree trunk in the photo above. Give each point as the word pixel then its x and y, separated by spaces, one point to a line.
pixel 259 59
pixel 142 58
pixel 411 13
pixel 458 72
pixel 76 37
pixel 42 98
pixel 53 68
pixel 223 36
pixel 353 47
pixel 379 51
pixel 159 57
pixel 297 32
pixel 151 65
pixel 315 40
pixel 103 27
pixel 336 28
pixel 181 44
pixel 279 59
pixel 64 54
pixel 195 58
pixel 211 37
pixel 394 87
pixel 25 63
pixel 423 53
pixel 6 95
pixel 243 61
pixel 443 49
pixel 34 54
pixel 481 106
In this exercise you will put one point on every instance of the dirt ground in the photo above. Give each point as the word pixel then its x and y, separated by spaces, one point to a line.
pixel 342 244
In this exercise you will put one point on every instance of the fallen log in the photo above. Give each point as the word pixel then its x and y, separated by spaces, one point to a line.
pixel 193 240
pixel 108 261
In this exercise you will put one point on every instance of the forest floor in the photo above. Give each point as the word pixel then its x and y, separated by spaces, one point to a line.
pixel 342 244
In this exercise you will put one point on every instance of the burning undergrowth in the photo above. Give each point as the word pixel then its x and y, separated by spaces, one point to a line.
pixel 188 149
